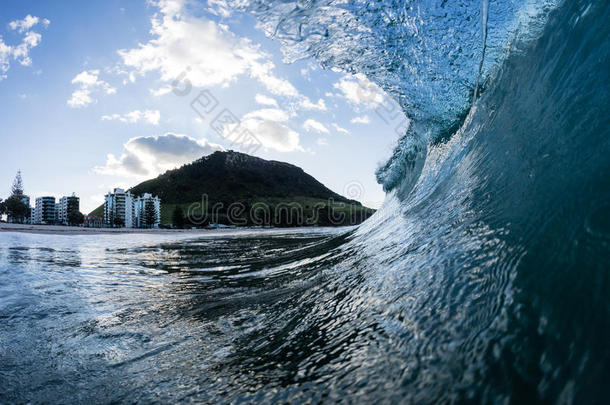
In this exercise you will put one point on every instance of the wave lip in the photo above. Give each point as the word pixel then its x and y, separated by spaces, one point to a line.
pixel 431 57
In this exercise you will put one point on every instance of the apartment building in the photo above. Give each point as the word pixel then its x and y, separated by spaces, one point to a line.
pixel 65 207
pixel 122 209
pixel 119 209
pixel 44 211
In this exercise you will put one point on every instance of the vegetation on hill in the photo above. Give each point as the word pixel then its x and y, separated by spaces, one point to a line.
pixel 233 176
pixel 239 189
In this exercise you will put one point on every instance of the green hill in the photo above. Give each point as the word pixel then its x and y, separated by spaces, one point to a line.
pixel 224 183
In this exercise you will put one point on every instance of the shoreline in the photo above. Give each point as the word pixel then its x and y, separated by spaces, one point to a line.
pixel 77 230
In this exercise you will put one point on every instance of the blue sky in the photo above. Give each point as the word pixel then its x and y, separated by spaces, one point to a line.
pixel 93 95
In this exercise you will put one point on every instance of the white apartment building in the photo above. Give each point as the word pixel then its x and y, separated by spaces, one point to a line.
pixel 140 210
pixel 119 209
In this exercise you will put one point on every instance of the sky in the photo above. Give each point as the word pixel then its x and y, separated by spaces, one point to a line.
pixel 102 94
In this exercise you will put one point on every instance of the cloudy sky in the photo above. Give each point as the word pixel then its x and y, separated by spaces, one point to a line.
pixel 100 94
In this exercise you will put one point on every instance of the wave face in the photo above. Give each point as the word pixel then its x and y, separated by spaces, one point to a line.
pixel 485 275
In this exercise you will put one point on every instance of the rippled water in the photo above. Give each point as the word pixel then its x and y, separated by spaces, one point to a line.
pixel 157 317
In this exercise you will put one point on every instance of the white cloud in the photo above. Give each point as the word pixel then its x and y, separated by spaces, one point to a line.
pixel 213 55
pixel 20 52
pixel 322 142
pixel 27 23
pixel 148 156
pixel 161 91
pixel 269 114
pixel 88 83
pixel 307 104
pixel 265 127
pixel 361 120
pixel 267 133
pixel 200 51
pixel 80 98
pixel 220 8
pixel 133 117
pixel 339 129
pixel 314 125
pixel 358 89
pixel 265 100
pixel 280 87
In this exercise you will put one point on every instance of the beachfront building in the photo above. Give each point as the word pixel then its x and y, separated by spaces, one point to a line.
pixel 147 211
pixel 26 200
pixel 92 221
pixel 122 209
pixel 44 211
pixel 66 207
pixel 118 209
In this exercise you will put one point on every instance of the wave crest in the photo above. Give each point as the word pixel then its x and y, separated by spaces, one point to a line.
pixel 430 56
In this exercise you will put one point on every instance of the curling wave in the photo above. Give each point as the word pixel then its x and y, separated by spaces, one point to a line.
pixel 487 267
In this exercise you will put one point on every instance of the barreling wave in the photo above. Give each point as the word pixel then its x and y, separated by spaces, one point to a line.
pixel 488 262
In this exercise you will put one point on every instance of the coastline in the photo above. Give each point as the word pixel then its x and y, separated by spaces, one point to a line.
pixel 76 230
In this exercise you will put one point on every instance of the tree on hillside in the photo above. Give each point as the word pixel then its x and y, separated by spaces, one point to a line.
pixel 150 214
pixel 178 218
